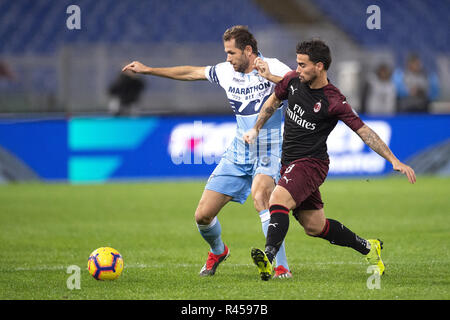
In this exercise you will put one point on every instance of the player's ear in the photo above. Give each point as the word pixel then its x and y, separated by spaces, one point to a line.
pixel 320 66
pixel 248 50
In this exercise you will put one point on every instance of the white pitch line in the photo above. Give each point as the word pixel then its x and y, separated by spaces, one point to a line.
pixel 169 265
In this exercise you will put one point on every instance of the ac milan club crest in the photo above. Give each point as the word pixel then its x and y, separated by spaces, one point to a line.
pixel 317 106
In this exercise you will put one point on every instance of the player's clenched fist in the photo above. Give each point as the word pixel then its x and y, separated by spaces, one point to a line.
pixel 262 67
pixel 136 67
pixel 250 136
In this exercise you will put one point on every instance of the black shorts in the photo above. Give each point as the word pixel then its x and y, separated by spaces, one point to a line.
pixel 302 179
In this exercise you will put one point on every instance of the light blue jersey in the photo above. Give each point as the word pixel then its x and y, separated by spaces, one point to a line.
pixel 247 93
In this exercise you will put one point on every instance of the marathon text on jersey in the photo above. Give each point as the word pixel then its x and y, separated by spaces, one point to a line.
pixel 249 90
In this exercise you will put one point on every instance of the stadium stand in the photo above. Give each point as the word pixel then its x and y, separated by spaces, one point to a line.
pixel 406 26
pixel 42 23
pixel 55 65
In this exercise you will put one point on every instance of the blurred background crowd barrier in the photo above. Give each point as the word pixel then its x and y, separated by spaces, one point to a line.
pixel 60 63
pixel 98 150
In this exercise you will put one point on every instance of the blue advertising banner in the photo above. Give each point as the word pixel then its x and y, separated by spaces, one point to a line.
pixel 96 149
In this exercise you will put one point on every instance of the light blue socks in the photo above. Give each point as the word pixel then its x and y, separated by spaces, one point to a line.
pixel 212 234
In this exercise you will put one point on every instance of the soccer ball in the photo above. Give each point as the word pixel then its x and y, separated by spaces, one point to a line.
pixel 105 263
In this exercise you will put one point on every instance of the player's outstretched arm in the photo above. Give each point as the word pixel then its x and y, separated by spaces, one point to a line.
pixel 267 110
pixel 185 73
pixel 376 144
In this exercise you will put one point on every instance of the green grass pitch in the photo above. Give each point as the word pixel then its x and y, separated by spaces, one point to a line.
pixel 45 228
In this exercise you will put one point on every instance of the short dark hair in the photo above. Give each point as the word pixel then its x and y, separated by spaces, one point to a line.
pixel 316 50
pixel 242 37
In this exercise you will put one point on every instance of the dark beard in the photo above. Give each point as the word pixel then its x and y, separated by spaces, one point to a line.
pixel 309 82
pixel 243 67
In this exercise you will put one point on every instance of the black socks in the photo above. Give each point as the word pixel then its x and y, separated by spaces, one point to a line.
pixel 338 234
pixel 277 230
pixel 334 231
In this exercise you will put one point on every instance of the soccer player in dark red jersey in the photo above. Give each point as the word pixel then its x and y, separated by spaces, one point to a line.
pixel 314 108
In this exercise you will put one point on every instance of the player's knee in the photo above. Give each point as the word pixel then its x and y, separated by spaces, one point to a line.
pixel 203 216
pixel 312 221
pixel 311 231
pixel 261 200
pixel 282 197
pixel 202 219
pixel 311 227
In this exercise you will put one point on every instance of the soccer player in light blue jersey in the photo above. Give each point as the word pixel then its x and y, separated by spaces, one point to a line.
pixel 248 79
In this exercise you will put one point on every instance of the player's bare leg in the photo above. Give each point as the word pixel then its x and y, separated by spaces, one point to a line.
pixel 262 188
pixel 209 227
pixel 282 197
pixel 209 206
pixel 312 221
pixel 316 224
